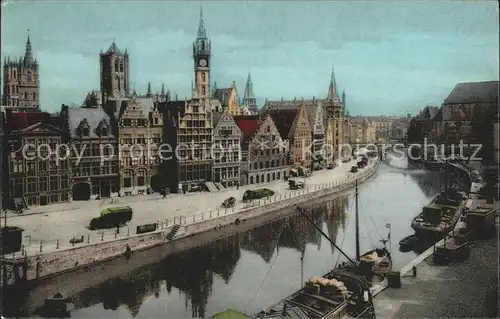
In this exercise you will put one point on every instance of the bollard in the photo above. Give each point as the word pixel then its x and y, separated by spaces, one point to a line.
pixel 41 246
pixel 88 238
pixel 102 236
pixel 57 244
pixel 414 269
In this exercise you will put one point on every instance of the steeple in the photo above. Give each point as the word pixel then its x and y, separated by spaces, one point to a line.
pixel 249 88
pixel 162 89
pixel 149 93
pixel 332 89
pixel 202 33
pixel 28 55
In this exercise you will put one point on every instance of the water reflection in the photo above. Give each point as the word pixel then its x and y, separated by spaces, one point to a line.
pixel 253 269
pixel 192 272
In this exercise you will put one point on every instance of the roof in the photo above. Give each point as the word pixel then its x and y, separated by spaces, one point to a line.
pixel 113 49
pixel 284 119
pixel 473 92
pixel 248 125
pixel 22 120
pixel 93 116
pixel 223 95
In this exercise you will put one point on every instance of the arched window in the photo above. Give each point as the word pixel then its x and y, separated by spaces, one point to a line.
pixel 25 95
pixel 121 66
pixel 14 74
pixel 118 83
pixel 117 65
pixel 255 165
pixel 203 79
pixel 278 175
pixel 34 96
pixel 261 165
pixel 85 131
pixel 268 177
pixel 267 164
pixel 203 91
pixel 258 179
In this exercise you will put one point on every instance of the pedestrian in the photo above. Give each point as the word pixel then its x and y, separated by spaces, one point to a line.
pixel 164 191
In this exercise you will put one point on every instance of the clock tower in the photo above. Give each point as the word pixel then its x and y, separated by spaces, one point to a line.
pixel 201 58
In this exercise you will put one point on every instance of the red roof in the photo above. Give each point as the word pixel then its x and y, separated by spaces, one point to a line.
pixel 22 120
pixel 283 119
pixel 247 124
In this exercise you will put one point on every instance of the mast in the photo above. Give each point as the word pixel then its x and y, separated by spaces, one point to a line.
pixel 357 223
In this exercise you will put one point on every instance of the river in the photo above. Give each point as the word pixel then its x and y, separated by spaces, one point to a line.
pixel 251 270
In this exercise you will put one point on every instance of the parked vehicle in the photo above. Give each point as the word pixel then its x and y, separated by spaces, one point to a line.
pixel 257 194
pixel 354 169
pixel 293 184
pixel 112 217
pixel 228 203
pixel 331 166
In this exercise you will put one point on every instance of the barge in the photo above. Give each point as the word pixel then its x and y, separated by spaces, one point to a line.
pixel 440 216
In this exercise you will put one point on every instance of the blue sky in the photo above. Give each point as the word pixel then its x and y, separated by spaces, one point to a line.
pixel 390 57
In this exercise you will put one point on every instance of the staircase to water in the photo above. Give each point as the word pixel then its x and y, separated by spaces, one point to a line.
pixel 173 232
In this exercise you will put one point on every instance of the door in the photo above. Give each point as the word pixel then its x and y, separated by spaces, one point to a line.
pixel 43 200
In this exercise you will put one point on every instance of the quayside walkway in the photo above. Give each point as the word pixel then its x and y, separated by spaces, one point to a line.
pixel 51 228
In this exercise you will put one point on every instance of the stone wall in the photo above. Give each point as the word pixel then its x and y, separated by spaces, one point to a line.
pixel 44 265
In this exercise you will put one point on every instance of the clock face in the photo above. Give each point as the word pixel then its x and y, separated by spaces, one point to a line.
pixel 203 62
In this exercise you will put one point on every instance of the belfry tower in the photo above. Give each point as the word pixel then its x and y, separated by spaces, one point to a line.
pixel 201 58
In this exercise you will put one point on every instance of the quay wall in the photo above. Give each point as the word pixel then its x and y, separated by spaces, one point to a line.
pixel 52 263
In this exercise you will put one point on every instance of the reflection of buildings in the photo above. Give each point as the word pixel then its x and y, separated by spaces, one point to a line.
pixel 430 182
pixel 191 272
pixel 264 239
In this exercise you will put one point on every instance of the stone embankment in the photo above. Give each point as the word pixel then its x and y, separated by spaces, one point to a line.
pixel 47 263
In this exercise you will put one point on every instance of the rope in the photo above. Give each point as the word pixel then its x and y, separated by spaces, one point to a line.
pixel 342 244
pixel 262 283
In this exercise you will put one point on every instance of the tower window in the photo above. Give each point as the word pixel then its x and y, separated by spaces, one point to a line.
pixel 121 66
pixel 203 77
pixel 14 74
pixel 203 90
pixel 117 65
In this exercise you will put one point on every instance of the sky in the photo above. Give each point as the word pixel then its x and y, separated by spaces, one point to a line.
pixel 389 57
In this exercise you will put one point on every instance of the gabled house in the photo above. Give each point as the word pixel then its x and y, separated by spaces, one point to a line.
pixel 228 98
pixel 226 150
pixel 267 151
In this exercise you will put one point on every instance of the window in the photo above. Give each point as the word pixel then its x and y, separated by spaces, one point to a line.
pixel 53 183
pixel 34 96
pixel 127 179
pixel 42 184
pixel 25 95
pixel 117 65
pixel 203 78
pixel 85 131
pixel 203 91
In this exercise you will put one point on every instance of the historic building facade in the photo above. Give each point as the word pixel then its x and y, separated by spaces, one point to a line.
pixel 188 128
pixel 333 117
pixel 114 73
pixel 267 152
pixel 94 152
pixel 21 84
pixel 467 115
pixel 37 167
pixel 293 125
pixel 228 98
pixel 139 138
pixel 226 150
pixel 249 100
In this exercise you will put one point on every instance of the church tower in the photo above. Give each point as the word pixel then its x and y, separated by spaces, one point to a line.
pixel 21 85
pixel 201 58
pixel 249 99
pixel 114 73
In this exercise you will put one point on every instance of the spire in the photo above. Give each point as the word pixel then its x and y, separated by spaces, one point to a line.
pixel 249 88
pixel 202 33
pixel 332 89
pixel 214 87
pixel 163 89
pixel 28 55
pixel 134 93
pixel 149 89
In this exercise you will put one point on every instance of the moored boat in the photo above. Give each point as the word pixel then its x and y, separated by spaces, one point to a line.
pixel 406 244
pixel 440 216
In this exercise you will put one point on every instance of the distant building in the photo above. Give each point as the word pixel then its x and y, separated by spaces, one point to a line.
pixel 266 151
pixel 249 100
pixel 421 125
pixel 228 98
pixel 36 175
pixel 94 152
pixel 226 150
pixel 21 85
pixel 496 141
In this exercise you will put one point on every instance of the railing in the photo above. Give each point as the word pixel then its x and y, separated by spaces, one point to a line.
pixel 32 247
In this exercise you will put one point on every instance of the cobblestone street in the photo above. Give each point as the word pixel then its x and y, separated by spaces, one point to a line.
pixel 62 222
